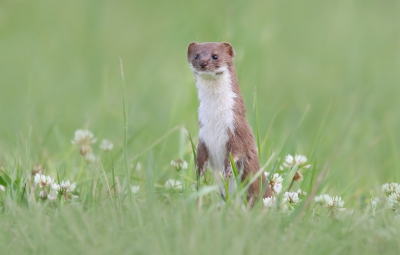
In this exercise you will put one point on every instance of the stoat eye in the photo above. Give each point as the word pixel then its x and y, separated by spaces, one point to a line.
pixel 196 56
pixel 215 56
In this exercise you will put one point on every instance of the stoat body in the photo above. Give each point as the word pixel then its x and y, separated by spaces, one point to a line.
pixel 223 128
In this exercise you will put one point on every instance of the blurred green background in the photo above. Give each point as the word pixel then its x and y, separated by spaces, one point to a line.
pixel 308 60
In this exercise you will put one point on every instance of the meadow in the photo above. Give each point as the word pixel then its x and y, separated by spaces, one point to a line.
pixel 319 79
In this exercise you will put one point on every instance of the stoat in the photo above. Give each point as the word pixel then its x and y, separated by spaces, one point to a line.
pixel 223 128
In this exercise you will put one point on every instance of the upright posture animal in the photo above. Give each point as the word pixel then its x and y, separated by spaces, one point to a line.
pixel 223 128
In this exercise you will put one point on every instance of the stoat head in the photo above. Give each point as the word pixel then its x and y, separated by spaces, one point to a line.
pixel 210 59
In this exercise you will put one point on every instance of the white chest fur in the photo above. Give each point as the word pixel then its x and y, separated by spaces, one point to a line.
pixel 216 115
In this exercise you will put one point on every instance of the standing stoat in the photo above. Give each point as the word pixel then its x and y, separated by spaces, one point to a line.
pixel 222 121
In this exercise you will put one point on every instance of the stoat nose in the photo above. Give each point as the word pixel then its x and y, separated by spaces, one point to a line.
pixel 203 64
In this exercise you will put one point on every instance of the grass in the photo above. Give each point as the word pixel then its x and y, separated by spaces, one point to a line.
pixel 319 79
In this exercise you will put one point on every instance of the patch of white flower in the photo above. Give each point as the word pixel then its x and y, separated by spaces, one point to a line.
pixel 289 201
pixel 389 188
pixel 291 161
pixel 65 187
pixel 135 188
pixel 394 199
pixel 290 197
pixel 174 184
pixel 269 202
pixel 2 188
pixel 106 145
pixel 43 180
pixel 179 164
pixel 332 204
pixel 392 192
pixel 275 182
pixel 335 203
pixel 83 137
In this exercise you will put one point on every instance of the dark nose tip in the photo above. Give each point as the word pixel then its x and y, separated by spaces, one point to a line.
pixel 203 64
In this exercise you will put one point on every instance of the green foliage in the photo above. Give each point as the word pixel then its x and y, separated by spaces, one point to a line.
pixel 327 85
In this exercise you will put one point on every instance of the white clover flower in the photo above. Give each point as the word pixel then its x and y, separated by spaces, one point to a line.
pixel 291 161
pixel 90 158
pixel 65 187
pixel 43 180
pixel 394 199
pixel 83 137
pixel 135 188
pixel 275 182
pixel 335 203
pixel 2 188
pixel 389 188
pixel 290 197
pixel 322 199
pixel 269 202
pixel 106 145
pixel 179 164
pixel 171 183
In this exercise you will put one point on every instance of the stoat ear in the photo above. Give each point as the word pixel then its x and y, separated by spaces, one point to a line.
pixel 190 48
pixel 229 49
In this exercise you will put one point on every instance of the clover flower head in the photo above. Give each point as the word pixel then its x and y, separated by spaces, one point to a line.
pixel 171 183
pixel 65 187
pixel 291 161
pixel 290 197
pixel 394 199
pixel 335 203
pixel 269 202
pixel 106 145
pixel 179 164
pixel 83 137
pixel 2 188
pixel 275 182
pixel 43 180
pixel 389 188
